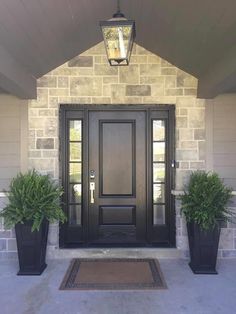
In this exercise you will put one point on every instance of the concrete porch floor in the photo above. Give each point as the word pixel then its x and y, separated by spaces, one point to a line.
pixel 187 293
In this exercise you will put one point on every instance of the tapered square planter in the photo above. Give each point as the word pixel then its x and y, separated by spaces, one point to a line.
pixel 31 248
pixel 203 246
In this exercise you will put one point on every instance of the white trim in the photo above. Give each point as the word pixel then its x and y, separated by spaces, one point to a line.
pixel 179 192
pixel 3 194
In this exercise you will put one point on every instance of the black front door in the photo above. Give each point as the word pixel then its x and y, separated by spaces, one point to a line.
pixel 117 176
pixel 117 168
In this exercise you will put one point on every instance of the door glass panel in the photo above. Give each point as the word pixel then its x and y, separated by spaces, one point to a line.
pixel 75 214
pixel 75 172
pixel 158 130
pixel 159 214
pixel 159 151
pixel 75 193
pixel 158 172
pixel 158 193
pixel 75 151
pixel 75 130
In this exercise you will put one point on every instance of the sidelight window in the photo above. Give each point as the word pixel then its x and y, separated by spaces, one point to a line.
pixel 75 172
pixel 158 170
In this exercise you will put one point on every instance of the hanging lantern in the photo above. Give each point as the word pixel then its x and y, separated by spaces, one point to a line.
pixel 118 34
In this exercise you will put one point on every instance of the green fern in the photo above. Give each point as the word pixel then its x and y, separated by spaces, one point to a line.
pixel 33 197
pixel 205 200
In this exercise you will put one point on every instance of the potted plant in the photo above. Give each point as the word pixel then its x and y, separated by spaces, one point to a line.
pixel 33 202
pixel 204 204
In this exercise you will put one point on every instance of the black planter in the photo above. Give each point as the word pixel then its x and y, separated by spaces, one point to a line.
pixel 203 246
pixel 31 248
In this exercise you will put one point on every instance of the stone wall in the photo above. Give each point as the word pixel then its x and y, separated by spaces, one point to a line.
pixel 88 79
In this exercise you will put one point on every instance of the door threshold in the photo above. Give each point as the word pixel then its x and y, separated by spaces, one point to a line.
pixel 159 253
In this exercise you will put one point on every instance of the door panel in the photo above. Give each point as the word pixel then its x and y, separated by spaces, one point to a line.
pixel 117 156
pixel 127 153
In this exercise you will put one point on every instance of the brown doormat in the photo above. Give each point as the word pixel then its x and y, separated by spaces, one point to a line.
pixel 113 274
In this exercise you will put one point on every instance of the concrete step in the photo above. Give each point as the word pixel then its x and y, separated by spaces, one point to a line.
pixel 53 253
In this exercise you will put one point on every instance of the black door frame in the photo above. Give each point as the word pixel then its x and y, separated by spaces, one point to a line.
pixel 81 111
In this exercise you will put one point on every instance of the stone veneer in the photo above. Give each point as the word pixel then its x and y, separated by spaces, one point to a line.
pixel 88 79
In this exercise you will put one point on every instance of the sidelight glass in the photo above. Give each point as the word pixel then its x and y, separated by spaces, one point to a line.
pixel 159 151
pixel 75 172
pixel 159 170
pixel 159 130
pixel 158 193
pixel 75 193
pixel 158 214
pixel 75 130
pixel 75 152
pixel 75 214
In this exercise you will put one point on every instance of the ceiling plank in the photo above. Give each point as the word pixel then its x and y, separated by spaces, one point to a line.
pixel 14 79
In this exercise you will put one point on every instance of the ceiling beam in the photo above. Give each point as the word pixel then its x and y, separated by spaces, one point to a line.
pixel 14 78
pixel 219 79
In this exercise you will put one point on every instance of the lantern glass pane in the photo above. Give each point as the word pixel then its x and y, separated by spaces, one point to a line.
pixel 117 41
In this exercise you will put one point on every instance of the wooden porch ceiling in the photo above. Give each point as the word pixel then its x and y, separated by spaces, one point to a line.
pixel 37 36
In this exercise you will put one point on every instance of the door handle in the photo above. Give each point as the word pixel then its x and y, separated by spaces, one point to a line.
pixel 92 189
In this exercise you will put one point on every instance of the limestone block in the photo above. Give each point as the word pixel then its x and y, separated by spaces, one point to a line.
pixel 151 79
pixel 197 165
pixel 190 91
pixel 189 144
pixel 85 86
pixel 106 90
pixel 79 100
pixel 129 74
pixel 226 239
pixel 53 102
pixel 183 112
pixel 46 112
pixel 187 155
pixel 138 59
pixel 186 80
pixel 150 69
pixel 170 81
pixel 185 102
pixel 49 153
pixel 44 166
pixel 196 118
pixel 110 79
pixel 168 71
pixel 58 92
pixel 118 93
pixel 101 100
pixel 36 123
pixel 51 127
pixel 45 143
pixel 158 89
pixel 184 165
pixel 199 134
pixel 174 91
pixel 105 69
pixel 81 61
pixel 181 122
pixel 35 154
pixel 47 81
pixel 63 82
pixel 134 100
pixel 154 59
pixel 138 90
